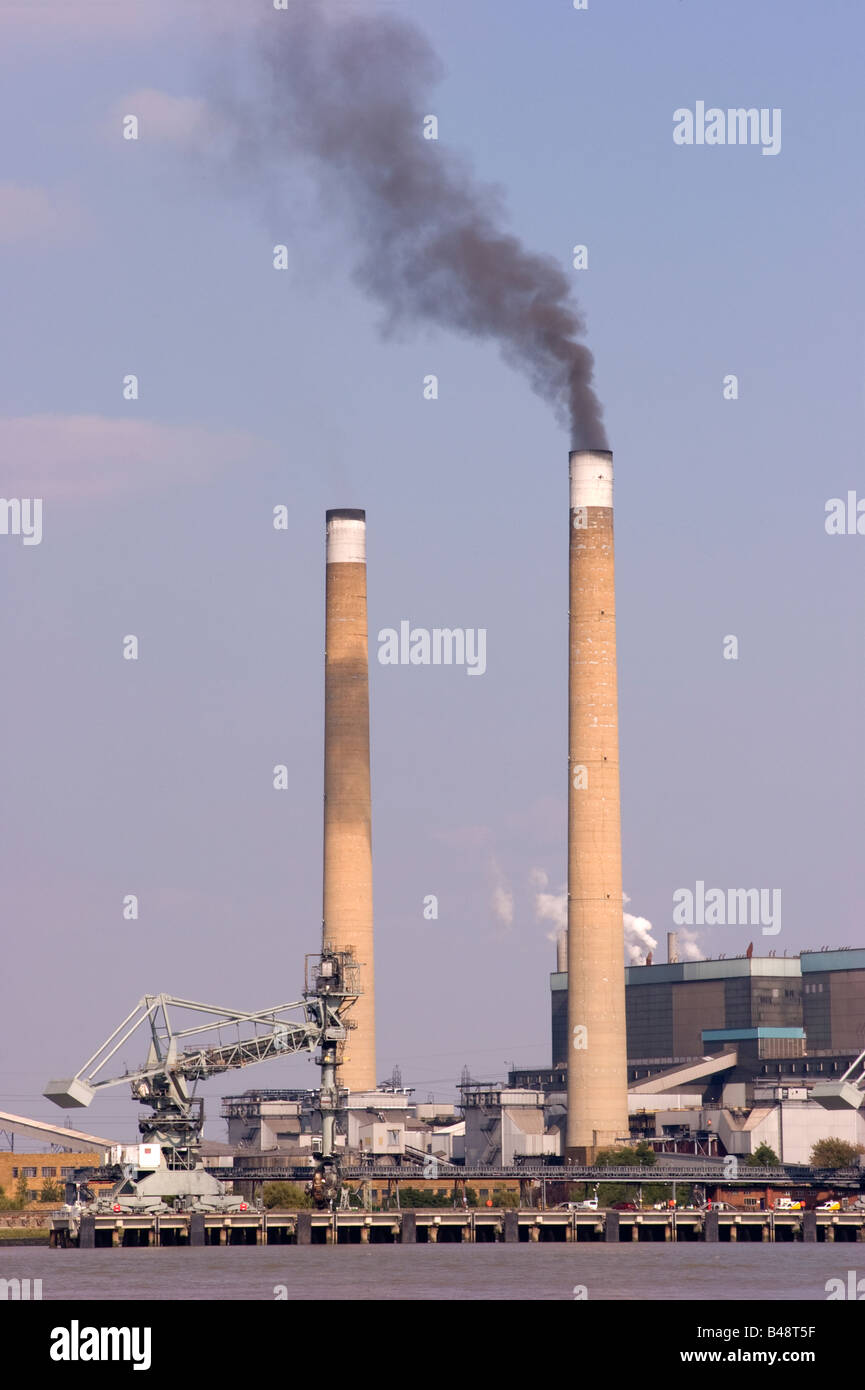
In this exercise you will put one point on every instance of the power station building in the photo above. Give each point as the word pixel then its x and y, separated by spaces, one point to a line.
pixel 771 1009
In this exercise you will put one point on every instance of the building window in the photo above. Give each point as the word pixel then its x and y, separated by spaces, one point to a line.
pixel 29 1172
pixel 14 1172
pixel 49 1172
pixel 66 1172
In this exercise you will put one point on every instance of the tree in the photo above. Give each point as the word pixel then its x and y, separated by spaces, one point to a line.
pixel 5 1202
pixel 504 1197
pixel 22 1196
pixel 413 1197
pixel 835 1153
pixel 285 1195
pixel 630 1156
pixel 763 1157
pixel 470 1196
pixel 51 1191
pixel 640 1155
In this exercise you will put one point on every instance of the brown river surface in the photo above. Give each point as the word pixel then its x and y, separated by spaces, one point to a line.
pixel 437 1272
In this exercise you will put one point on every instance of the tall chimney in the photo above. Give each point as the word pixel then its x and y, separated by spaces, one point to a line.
pixel 672 948
pixel 347 898
pixel 597 1048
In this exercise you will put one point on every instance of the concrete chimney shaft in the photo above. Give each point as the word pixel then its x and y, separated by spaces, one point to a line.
pixel 597 1049
pixel 347 897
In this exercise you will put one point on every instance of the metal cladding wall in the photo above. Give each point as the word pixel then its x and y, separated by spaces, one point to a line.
pixel 697 1004
pixel 347 897
pixel 597 1053
pixel 559 1017
pixel 834 1009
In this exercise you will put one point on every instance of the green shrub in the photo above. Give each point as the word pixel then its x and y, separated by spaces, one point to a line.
pixel 763 1157
pixel 286 1195
pixel 411 1197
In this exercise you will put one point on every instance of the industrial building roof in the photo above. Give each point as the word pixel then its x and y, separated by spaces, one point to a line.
pixel 809 962
pixel 740 966
pixel 851 959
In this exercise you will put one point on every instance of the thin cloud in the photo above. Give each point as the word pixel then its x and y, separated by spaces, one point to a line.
pixel 502 904
pixel 549 907
pixel 86 457
pixel 164 117
pixel 99 19
pixel 31 214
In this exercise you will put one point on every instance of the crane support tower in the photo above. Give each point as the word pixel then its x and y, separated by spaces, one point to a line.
pixel 168 1162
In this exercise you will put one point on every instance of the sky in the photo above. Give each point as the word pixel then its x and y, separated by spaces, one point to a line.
pixel 260 388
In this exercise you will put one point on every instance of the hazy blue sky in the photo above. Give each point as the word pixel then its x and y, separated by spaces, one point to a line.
pixel 260 387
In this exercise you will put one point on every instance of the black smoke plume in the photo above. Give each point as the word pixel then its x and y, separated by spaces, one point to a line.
pixel 348 95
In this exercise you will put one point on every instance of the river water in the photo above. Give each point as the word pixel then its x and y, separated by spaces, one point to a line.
pixel 433 1272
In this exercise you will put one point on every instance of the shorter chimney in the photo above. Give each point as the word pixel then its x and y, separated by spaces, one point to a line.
pixel 562 952
pixel 672 948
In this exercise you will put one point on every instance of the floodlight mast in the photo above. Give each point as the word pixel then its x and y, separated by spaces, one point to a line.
pixel 333 982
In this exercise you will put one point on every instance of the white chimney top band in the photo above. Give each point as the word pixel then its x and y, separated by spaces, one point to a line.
pixel 346 541
pixel 591 479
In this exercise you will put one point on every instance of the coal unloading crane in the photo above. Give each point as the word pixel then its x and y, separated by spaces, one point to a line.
pixel 168 1163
